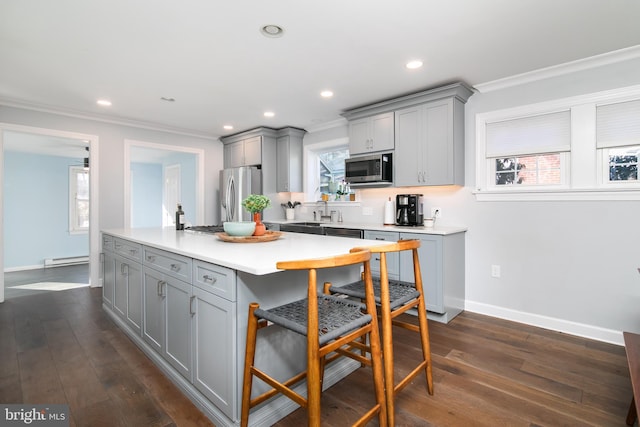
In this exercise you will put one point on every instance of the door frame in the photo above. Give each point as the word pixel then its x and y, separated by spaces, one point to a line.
pixel 94 212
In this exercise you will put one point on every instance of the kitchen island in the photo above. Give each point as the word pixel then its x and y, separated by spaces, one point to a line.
pixel 183 298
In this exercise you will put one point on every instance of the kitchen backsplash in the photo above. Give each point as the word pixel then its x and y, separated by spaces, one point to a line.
pixel 369 204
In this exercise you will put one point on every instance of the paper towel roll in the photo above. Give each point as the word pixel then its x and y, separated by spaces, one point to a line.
pixel 389 214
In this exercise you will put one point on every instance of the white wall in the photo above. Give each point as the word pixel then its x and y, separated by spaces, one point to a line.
pixel 569 265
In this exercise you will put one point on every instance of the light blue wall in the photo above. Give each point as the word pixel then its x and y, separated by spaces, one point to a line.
pixel 36 210
pixel 147 188
pixel 146 195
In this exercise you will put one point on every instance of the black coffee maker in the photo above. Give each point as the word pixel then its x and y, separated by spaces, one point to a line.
pixel 409 209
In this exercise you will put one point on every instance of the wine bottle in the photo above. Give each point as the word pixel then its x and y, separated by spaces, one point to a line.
pixel 179 218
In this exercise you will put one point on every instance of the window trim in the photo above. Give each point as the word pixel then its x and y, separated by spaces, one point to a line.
pixel 73 206
pixel 584 167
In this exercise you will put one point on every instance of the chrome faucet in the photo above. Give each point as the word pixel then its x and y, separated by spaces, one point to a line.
pixel 324 214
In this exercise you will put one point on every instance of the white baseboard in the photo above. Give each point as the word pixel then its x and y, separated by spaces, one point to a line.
pixel 554 324
pixel 24 268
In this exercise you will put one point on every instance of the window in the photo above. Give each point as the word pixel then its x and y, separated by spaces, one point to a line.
pixel 581 148
pixel 331 166
pixel 618 138
pixel 544 169
pixel 527 151
pixel 78 199
pixel 324 163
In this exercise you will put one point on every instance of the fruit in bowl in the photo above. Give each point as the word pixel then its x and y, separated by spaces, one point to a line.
pixel 239 229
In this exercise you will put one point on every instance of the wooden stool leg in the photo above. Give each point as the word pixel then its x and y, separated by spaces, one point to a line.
pixel 426 346
pixel 247 382
pixel 632 414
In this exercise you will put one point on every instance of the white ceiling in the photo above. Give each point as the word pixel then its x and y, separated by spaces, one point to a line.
pixel 210 56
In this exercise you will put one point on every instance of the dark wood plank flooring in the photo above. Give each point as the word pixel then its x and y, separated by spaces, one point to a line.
pixel 60 347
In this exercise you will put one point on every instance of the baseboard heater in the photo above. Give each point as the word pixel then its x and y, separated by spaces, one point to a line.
pixel 59 262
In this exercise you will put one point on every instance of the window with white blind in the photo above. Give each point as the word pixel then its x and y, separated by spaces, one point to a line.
pixel 528 151
pixel 580 148
pixel 618 138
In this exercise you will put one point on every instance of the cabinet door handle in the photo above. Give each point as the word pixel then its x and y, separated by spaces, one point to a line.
pixel 192 310
pixel 379 238
pixel 151 258
pixel 175 267
pixel 102 257
pixel 160 289
pixel 208 278
pixel 124 269
pixel 133 251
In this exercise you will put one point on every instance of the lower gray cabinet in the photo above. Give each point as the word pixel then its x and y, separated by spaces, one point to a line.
pixel 214 361
pixel 442 267
pixel 127 299
pixel 167 319
pixel 393 259
pixel 108 278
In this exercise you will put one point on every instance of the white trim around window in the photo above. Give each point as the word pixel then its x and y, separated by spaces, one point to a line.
pixel 584 166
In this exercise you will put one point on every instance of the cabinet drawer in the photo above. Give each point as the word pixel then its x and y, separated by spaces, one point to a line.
pixel 213 278
pixel 169 263
pixel 127 249
pixel 107 243
pixel 393 259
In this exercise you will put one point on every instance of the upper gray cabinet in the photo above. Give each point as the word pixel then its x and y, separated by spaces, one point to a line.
pixel 246 148
pixel 369 134
pixel 428 134
pixel 289 160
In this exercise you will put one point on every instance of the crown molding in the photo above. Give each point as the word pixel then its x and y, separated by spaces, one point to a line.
pixel 608 58
pixel 326 125
pixel 43 108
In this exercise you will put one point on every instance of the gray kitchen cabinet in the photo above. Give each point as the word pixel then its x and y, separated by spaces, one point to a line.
pixel 393 259
pixel 168 307
pixel 246 152
pixel 108 270
pixel 289 160
pixel 369 134
pixel 443 275
pixel 178 314
pixel 127 300
pixel 214 335
pixel 167 319
pixel 430 144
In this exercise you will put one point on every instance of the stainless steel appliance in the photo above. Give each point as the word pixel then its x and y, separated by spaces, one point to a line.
pixel 235 185
pixel 371 170
pixel 409 209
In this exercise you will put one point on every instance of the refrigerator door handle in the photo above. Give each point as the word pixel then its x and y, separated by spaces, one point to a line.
pixel 231 201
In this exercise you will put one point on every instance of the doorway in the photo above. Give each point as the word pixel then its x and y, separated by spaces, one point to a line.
pixel 48 147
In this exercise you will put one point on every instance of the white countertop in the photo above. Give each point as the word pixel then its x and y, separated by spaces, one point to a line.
pixel 253 258
pixel 437 229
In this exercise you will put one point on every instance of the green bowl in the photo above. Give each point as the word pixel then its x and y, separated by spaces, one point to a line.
pixel 242 228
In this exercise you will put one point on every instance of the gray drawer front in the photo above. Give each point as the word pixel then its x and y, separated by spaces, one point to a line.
pixel 393 259
pixel 107 243
pixel 212 278
pixel 127 249
pixel 169 263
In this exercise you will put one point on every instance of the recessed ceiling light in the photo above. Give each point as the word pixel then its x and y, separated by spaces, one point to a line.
pixel 269 114
pixel 227 127
pixel 326 94
pixel 412 65
pixel 104 102
pixel 272 31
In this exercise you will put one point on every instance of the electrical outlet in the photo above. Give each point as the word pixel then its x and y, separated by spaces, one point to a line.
pixel 436 213
pixel 495 271
pixel 367 211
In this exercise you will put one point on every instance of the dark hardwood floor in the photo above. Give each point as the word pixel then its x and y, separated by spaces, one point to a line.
pixel 60 347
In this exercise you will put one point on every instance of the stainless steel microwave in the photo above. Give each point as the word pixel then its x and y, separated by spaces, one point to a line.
pixel 376 169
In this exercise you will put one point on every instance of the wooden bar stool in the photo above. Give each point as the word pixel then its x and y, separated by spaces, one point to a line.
pixel 329 323
pixel 394 297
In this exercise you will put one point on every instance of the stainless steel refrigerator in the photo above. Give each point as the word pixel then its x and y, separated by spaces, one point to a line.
pixel 235 185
